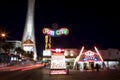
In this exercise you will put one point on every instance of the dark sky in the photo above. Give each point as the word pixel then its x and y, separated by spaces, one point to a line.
pixel 89 23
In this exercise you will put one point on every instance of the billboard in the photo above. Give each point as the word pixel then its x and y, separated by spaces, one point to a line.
pixel 28 48
pixel 47 52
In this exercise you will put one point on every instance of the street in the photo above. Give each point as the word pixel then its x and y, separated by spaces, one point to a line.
pixel 43 74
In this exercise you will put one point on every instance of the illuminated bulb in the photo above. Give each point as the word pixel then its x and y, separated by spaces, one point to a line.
pixel 58 50
pixel 66 53
pixel 71 54
pixel 3 34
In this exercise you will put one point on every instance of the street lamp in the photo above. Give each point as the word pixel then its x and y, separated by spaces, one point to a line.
pixel 3 35
pixel 2 38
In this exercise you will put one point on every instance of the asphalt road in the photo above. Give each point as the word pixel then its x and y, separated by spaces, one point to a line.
pixel 43 74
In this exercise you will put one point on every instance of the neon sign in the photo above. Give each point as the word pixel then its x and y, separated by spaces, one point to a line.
pixel 59 32
pixel 58 65
pixel 90 56
pixel 58 72
pixel 90 59
pixel 58 62
pixel 89 53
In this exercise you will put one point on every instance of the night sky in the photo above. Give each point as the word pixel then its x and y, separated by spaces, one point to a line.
pixel 89 23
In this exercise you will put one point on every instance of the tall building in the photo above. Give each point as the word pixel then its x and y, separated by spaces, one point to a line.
pixel 28 41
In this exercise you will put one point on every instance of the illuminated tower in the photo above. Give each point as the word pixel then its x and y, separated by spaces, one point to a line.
pixel 28 40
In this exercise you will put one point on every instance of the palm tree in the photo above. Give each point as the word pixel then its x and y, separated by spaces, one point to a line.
pixel 0 47
pixel 29 54
pixel 19 50
pixel 2 39
pixel 7 46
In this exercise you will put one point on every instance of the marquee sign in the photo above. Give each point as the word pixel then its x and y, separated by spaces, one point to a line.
pixel 28 45
pixel 58 65
pixel 90 56
pixel 54 33
pixel 58 62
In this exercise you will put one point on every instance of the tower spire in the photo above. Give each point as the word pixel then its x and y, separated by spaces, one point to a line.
pixel 29 34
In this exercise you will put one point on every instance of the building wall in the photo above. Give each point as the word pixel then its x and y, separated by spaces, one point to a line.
pixel 109 54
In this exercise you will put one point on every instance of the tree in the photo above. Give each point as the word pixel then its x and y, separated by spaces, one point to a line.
pixel 0 47
pixel 29 54
pixel 7 46
pixel 2 36
pixel 19 50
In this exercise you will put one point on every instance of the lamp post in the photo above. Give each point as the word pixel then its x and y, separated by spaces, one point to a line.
pixel 2 38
